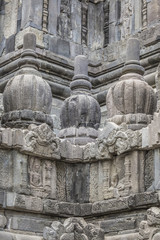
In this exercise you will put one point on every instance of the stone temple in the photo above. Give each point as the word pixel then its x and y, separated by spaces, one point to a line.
pixel 79 119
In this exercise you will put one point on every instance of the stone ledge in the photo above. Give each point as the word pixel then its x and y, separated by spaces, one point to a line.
pixel 53 207
pixel 132 236
pixel 12 236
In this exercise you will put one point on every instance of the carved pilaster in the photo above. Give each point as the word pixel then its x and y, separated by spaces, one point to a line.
pixel 106 178
pixel 64 20
pixel 144 13
pixel 126 18
pixel 127 174
pixel 45 16
pixel 84 12
pixel 106 22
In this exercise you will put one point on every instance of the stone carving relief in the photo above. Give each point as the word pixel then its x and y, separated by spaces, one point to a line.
pixel 150 229
pixel 73 229
pixel 64 21
pixel 119 140
pixel 40 140
pixel 84 31
pixel 42 177
pixel 45 16
pixel 144 13
pixel 114 178
pixel 126 17
pixel 106 22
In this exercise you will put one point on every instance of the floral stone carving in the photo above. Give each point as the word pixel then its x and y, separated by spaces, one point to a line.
pixel 113 140
pixel 41 141
pixel 73 229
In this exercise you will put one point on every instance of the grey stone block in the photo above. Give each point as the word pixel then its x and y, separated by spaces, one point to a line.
pixel 118 224
pixel 86 209
pixel 3 221
pixel 29 18
pixel 10 44
pixel 51 206
pixel 133 49
pixel 2 45
pixel 17 201
pixel 2 197
pixel 66 208
pixel 108 206
pixel 147 198
pixel 54 10
pixel 29 224
pixel 59 46
pixel 6 167
pixel 29 41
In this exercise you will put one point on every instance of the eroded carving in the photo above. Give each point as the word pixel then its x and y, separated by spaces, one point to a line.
pixel 40 140
pixel 45 16
pixel 73 229
pixel 144 13
pixel 119 140
pixel 64 21
pixel 106 22
pixel 42 176
pixel 150 229
pixel 125 21
pixel 84 31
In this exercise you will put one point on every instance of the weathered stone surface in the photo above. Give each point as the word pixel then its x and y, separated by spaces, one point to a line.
pixel 41 140
pixel 10 44
pixel 12 236
pixel 118 224
pixel 6 166
pixel 127 96
pixel 51 206
pixel 73 228
pixel 3 221
pixel 42 178
pixel 131 236
pixel 11 10
pixel 17 201
pixel 54 11
pixel 29 224
pixel 59 46
pixel 38 33
pixel 153 11
pixel 29 18
pixel 110 205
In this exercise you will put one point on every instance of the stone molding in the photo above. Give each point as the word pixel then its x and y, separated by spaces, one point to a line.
pixel 42 142
pixel 15 201
pixel 112 140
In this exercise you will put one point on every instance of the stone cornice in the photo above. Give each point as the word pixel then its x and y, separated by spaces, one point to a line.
pixel 113 140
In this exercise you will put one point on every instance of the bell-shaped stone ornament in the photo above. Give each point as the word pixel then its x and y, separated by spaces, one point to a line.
pixel 80 113
pixel 27 98
pixel 131 99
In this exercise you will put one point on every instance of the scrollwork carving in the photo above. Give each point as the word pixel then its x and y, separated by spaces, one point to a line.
pixel 41 141
pixel 119 140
